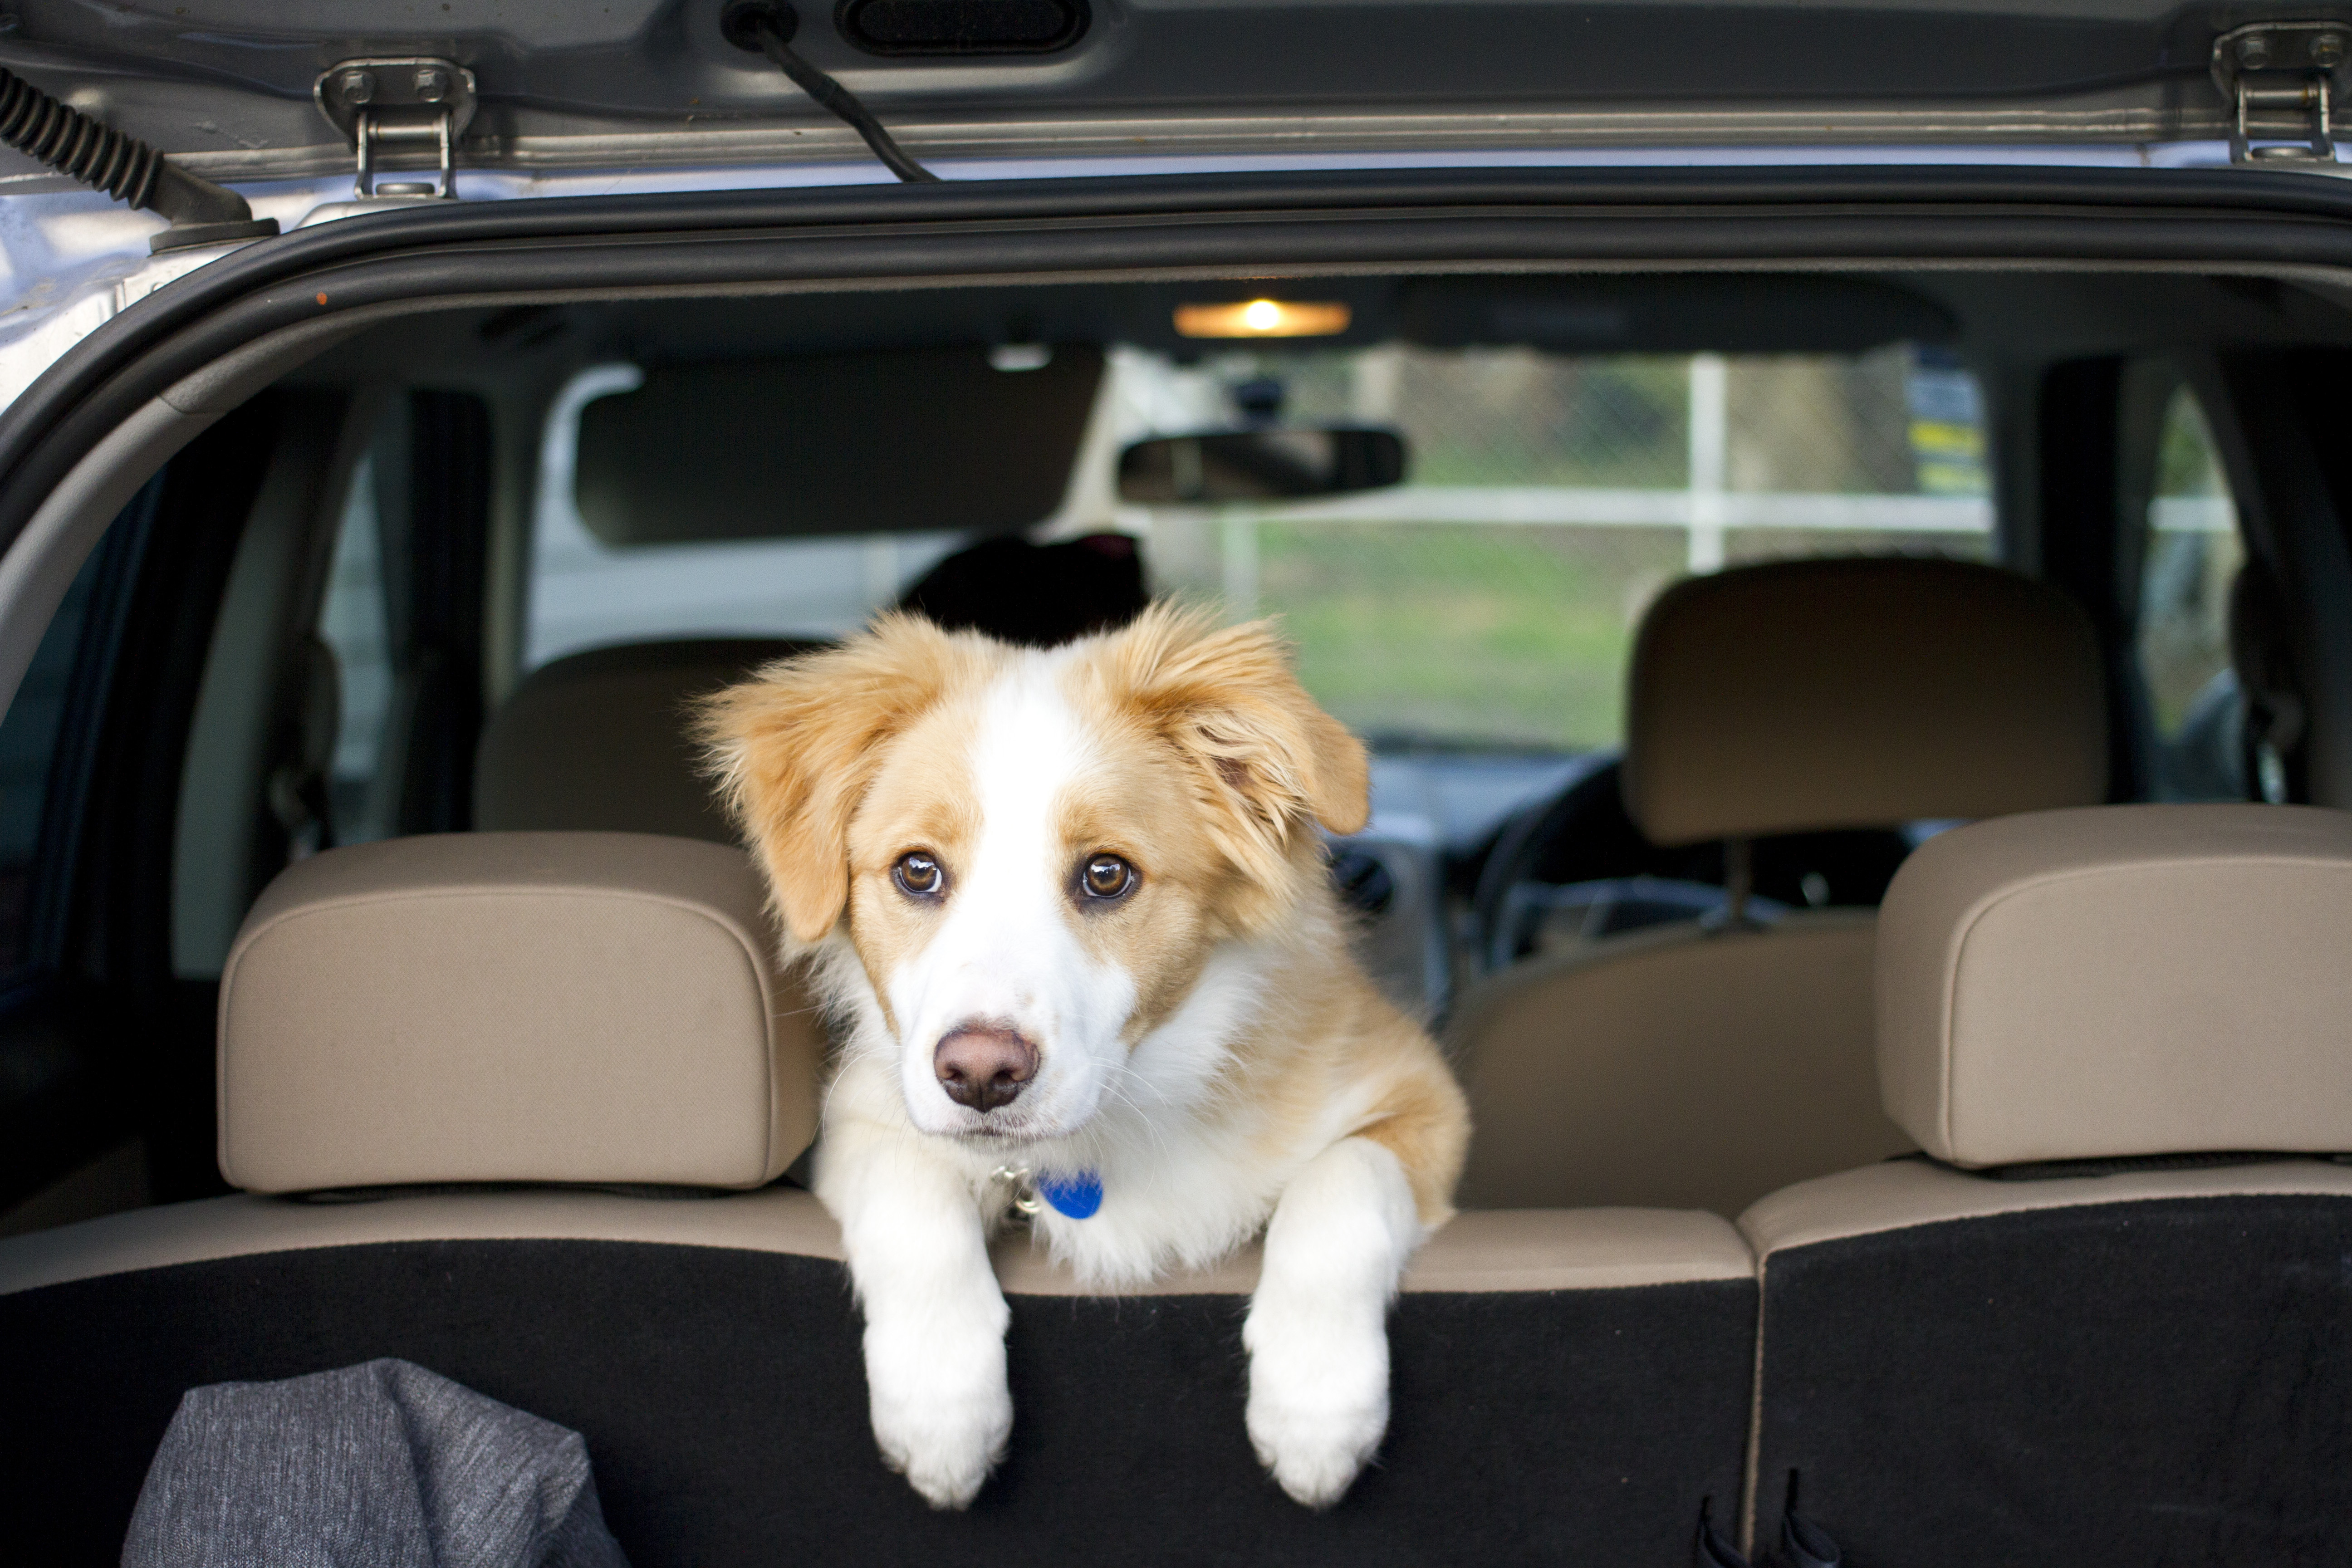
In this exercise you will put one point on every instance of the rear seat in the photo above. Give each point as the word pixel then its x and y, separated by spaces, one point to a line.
pixel 597 742
pixel 446 1027
pixel 2106 1320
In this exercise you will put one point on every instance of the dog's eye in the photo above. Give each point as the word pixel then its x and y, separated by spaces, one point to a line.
pixel 1106 876
pixel 918 875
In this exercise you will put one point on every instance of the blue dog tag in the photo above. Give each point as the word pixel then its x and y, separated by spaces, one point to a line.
pixel 1077 1196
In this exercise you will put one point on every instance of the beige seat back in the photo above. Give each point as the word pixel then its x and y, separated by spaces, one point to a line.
pixel 585 1007
pixel 2104 1321
pixel 1708 1064
pixel 593 1008
pixel 597 742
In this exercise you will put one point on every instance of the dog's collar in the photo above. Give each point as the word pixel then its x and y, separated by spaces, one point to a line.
pixel 1078 1195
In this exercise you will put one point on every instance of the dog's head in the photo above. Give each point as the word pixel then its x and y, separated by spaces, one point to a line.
pixel 1033 854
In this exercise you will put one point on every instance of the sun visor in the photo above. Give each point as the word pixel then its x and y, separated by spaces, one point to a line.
pixel 905 440
pixel 1763 314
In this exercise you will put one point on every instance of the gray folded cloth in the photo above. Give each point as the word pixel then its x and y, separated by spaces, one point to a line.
pixel 382 1465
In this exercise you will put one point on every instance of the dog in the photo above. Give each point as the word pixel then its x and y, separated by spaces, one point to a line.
pixel 1070 911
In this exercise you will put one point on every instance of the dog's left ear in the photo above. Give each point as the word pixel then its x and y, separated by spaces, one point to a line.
pixel 1272 763
pixel 793 748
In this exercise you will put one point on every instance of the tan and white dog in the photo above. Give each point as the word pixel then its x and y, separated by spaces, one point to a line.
pixel 1070 910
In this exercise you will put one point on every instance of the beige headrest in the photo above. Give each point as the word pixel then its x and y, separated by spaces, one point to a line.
pixel 1807 695
pixel 597 742
pixel 512 1007
pixel 2127 980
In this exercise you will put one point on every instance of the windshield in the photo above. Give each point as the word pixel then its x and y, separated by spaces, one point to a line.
pixel 1491 600
pixel 1488 603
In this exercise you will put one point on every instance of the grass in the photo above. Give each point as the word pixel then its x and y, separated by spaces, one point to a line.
pixel 1456 632
pixel 1505 634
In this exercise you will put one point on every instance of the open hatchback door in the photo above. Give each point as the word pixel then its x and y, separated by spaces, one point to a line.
pixel 242 93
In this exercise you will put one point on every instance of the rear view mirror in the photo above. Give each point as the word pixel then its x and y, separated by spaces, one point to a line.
pixel 1259 465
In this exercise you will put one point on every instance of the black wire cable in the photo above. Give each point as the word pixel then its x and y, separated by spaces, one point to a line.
pixel 768 28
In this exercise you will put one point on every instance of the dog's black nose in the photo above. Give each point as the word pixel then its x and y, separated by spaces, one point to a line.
pixel 983 1066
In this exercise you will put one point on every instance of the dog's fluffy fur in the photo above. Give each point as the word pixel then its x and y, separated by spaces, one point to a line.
pixel 1206 1042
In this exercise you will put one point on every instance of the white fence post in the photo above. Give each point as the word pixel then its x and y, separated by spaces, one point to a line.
pixel 879 562
pixel 1238 554
pixel 1709 436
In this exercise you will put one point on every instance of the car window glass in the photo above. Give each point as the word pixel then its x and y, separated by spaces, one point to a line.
pixel 72 652
pixel 584 593
pixel 1489 601
pixel 1492 598
pixel 2191 556
pixel 351 622
pixel 28 739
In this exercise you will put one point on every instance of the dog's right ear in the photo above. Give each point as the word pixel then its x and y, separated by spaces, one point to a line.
pixel 793 748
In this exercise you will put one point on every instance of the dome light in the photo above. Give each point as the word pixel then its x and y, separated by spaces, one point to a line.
pixel 1262 319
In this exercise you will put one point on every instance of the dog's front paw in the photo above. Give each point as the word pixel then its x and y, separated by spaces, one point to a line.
pixel 1318 1399
pixel 945 1448
pixel 941 1424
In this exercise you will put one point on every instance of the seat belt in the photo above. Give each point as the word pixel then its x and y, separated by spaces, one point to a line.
pixel 1713 1547
pixel 1804 1544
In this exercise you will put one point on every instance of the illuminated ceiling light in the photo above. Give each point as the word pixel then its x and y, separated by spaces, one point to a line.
pixel 1262 319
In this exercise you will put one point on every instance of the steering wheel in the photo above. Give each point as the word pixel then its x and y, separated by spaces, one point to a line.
pixel 1578 861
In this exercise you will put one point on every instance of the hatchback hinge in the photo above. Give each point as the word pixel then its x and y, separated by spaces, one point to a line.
pixel 383 105
pixel 2280 81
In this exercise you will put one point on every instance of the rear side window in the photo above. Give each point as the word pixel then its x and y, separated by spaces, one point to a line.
pixel 400 629
pixel 28 740
pixel 2190 558
pixel 352 621
pixel 42 745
